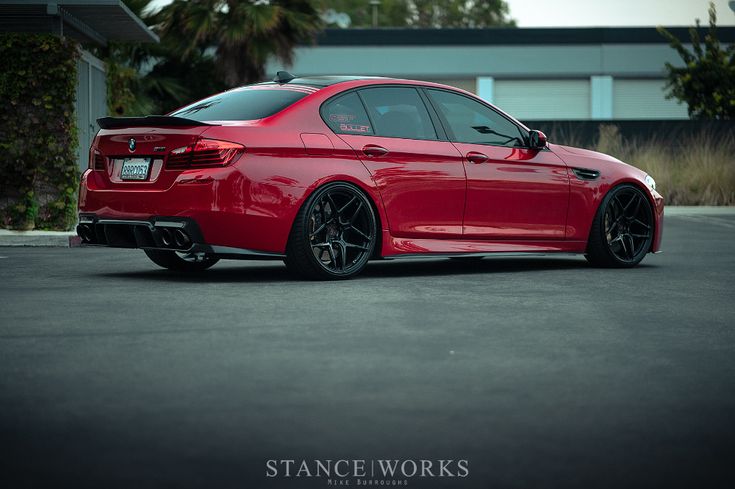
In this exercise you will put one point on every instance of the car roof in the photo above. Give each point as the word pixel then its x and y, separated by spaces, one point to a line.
pixel 352 81
pixel 323 81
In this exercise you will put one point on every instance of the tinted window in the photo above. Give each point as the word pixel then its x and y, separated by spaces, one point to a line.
pixel 346 115
pixel 473 122
pixel 240 105
pixel 398 112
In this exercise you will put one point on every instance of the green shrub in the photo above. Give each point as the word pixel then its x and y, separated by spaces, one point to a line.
pixel 38 135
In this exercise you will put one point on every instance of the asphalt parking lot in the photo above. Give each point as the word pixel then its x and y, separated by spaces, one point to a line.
pixel 540 372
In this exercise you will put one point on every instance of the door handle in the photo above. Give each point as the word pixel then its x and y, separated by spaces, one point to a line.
pixel 476 157
pixel 374 150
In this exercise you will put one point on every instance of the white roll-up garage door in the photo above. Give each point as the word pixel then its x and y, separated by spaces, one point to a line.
pixel 544 99
pixel 644 99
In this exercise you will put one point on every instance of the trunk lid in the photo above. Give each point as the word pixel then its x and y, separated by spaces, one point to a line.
pixel 122 139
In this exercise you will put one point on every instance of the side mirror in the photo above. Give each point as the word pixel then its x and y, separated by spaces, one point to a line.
pixel 537 139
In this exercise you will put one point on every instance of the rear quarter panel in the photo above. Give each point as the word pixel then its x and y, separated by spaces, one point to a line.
pixel 280 173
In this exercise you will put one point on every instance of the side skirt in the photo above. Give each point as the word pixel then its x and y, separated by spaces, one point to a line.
pixel 399 247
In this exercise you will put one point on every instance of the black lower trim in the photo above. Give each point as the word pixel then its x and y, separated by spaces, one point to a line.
pixel 158 233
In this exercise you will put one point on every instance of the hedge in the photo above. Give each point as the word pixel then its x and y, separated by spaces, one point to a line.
pixel 39 176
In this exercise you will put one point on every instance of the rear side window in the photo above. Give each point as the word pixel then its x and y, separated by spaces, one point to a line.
pixel 240 105
pixel 398 112
pixel 472 122
pixel 346 115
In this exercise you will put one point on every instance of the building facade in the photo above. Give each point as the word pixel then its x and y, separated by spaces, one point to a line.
pixel 534 74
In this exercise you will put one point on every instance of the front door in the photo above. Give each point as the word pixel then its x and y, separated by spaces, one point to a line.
pixel 513 192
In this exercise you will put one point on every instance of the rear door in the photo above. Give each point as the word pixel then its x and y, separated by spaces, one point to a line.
pixel 513 192
pixel 420 176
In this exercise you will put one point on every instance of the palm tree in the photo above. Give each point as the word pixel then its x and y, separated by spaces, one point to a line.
pixel 241 34
pixel 141 77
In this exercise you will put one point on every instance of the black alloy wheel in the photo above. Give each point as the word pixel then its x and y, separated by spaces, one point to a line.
pixel 334 234
pixel 622 231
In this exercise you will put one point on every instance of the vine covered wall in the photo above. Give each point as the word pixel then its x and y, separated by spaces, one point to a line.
pixel 39 176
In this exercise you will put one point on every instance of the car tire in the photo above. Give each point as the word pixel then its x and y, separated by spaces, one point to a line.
pixel 333 235
pixel 622 230
pixel 173 260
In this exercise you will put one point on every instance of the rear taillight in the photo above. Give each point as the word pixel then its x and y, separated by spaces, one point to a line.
pixel 96 160
pixel 205 153
pixel 99 162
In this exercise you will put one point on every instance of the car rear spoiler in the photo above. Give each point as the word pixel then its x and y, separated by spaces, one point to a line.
pixel 147 121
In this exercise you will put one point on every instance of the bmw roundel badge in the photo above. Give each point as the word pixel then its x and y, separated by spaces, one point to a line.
pixel 131 144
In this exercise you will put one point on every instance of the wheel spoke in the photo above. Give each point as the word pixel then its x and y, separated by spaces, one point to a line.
pixel 618 215
pixel 341 210
pixel 638 221
pixel 630 202
pixel 612 227
pixel 631 250
pixel 332 205
pixel 343 254
pixel 620 240
pixel 356 213
pixel 644 236
pixel 318 230
pixel 332 257
pixel 353 228
pixel 356 246
pixel 637 206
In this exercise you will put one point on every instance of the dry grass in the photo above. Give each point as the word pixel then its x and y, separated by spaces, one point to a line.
pixel 698 170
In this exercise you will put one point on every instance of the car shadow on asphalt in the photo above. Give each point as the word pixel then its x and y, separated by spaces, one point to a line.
pixel 232 272
pixel 423 267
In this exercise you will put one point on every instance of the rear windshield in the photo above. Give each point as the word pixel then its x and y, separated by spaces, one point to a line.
pixel 240 105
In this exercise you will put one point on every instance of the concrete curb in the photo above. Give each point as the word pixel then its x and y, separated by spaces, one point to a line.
pixel 70 238
pixel 704 210
pixel 39 238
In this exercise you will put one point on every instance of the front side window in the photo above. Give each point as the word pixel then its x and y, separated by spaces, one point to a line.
pixel 398 112
pixel 346 115
pixel 472 122
pixel 244 104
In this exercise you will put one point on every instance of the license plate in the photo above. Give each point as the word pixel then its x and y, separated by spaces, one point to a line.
pixel 135 169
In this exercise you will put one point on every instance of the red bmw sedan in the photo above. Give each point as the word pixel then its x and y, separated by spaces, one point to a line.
pixel 326 173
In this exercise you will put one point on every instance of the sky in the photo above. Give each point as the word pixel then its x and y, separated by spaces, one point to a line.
pixel 597 13
pixel 588 13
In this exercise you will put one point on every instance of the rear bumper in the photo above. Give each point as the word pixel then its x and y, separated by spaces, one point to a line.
pixel 166 233
pixel 229 209
pixel 157 233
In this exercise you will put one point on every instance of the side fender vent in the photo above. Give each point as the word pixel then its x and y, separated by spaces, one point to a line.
pixel 586 173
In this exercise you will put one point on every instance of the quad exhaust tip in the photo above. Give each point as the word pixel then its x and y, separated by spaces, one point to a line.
pixel 174 238
pixel 181 238
pixel 167 236
pixel 85 232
